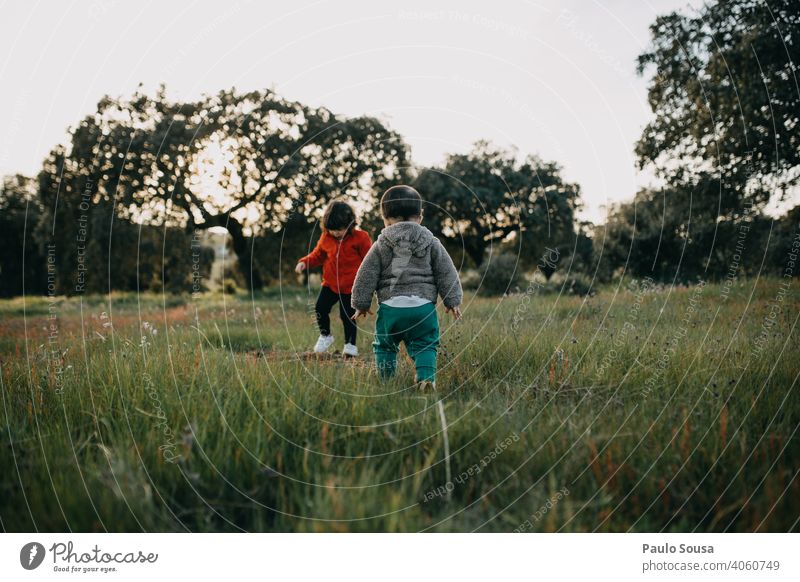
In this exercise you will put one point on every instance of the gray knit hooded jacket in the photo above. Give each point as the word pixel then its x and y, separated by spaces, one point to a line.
pixel 406 260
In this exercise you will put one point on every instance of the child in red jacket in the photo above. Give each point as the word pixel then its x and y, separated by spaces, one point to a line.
pixel 340 250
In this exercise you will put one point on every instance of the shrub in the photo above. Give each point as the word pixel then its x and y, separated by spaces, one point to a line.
pixel 570 284
pixel 499 274
pixel 470 279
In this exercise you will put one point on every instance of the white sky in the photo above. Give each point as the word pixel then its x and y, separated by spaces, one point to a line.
pixel 553 78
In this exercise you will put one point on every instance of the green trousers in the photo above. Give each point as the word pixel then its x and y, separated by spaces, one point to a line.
pixel 418 327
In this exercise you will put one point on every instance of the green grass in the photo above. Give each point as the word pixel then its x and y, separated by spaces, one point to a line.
pixel 189 429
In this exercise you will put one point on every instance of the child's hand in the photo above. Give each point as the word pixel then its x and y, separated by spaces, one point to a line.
pixel 454 311
pixel 300 268
pixel 360 313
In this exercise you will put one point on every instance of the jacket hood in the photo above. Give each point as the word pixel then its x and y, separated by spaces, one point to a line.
pixel 408 236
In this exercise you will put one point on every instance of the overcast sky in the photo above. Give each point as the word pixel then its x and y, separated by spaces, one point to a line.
pixel 555 78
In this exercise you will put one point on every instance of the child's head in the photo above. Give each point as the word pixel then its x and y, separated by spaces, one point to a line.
pixel 401 203
pixel 338 219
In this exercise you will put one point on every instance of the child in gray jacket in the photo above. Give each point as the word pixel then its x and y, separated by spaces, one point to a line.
pixel 409 269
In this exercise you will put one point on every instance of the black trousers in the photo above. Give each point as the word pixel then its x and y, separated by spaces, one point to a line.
pixel 325 302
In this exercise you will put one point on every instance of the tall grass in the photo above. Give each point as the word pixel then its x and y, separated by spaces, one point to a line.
pixel 679 415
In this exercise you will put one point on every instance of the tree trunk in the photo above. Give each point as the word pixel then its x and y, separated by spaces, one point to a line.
pixel 548 269
pixel 242 246
pixel 475 252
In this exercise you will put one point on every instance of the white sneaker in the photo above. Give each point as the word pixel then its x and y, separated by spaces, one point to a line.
pixel 323 343
pixel 350 350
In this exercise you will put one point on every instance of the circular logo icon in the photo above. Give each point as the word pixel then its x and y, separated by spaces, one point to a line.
pixel 31 555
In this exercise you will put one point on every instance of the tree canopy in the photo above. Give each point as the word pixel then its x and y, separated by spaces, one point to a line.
pixel 726 100
pixel 247 162
pixel 488 197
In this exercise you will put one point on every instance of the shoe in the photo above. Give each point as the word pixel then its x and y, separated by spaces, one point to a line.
pixel 350 350
pixel 425 385
pixel 323 343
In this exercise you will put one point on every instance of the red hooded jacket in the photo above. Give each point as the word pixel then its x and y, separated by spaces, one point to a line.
pixel 340 259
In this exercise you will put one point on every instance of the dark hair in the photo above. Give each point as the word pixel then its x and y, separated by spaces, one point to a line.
pixel 338 215
pixel 401 202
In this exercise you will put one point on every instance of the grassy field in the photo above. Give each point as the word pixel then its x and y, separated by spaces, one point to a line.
pixel 641 408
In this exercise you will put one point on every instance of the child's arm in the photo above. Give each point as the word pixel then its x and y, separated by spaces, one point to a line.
pixel 364 245
pixel 366 282
pixel 314 259
pixel 446 276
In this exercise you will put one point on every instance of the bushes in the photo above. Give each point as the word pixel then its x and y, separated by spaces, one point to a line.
pixel 499 274
pixel 502 274
pixel 571 284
